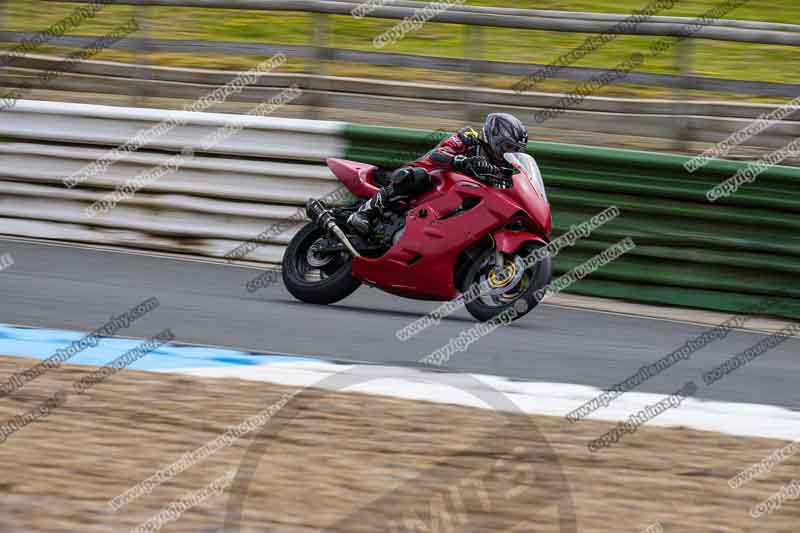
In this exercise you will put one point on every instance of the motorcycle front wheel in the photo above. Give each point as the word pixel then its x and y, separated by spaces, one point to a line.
pixel 312 277
pixel 517 289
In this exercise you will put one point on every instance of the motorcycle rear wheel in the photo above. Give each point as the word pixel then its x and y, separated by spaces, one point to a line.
pixel 521 297
pixel 322 283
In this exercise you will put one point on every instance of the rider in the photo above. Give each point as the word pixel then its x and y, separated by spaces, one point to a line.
pixel 480 155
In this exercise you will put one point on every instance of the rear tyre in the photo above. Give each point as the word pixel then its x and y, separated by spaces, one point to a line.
pixel 519 293
pixel 314 278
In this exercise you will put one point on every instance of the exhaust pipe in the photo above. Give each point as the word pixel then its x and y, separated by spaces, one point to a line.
pixel 323 218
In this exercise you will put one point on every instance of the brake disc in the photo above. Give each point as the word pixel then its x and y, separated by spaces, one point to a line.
pixel 491 286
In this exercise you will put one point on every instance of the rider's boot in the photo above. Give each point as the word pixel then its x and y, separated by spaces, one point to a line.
pixel 404 182
pixel 361 220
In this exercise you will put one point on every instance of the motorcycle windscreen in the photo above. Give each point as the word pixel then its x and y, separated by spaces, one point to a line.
pixel 530 191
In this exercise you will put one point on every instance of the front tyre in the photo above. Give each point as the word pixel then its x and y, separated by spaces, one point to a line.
pixel 314 278
pixel 517 289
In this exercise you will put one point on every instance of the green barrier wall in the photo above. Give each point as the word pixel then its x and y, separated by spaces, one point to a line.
pixel 728 255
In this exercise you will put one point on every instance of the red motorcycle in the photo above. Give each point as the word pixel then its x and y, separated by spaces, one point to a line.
pixel 461 234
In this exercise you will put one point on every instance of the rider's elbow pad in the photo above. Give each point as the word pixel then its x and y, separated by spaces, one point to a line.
pixel 441 158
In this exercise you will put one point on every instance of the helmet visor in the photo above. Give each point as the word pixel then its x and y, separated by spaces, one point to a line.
pixel 506 145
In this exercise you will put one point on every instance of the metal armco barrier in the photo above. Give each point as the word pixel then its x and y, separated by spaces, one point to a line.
pixel 724 256
pixel 254 179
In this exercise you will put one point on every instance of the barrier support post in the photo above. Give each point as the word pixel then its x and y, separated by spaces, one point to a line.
pixel 473 50
pixel 316 64
pixel 682 94
pixel 141 89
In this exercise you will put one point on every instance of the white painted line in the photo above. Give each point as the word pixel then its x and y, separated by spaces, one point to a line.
pixel 664 313
pixel 173 256
pixel 549 399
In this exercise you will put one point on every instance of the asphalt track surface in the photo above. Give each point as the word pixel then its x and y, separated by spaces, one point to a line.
pixel 60 287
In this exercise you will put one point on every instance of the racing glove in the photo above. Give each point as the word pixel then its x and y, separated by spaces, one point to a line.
pixel 483 170
pixel 477 165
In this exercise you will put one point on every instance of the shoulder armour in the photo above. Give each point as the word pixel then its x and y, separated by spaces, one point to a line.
pixel 468 136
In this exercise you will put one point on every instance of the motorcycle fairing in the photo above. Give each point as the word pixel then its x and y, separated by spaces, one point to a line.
pixel 508 241
pixel 422 262
pixel 357 177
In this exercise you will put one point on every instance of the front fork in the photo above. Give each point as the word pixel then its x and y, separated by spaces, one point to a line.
pixel 499 265
pixel 507 242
